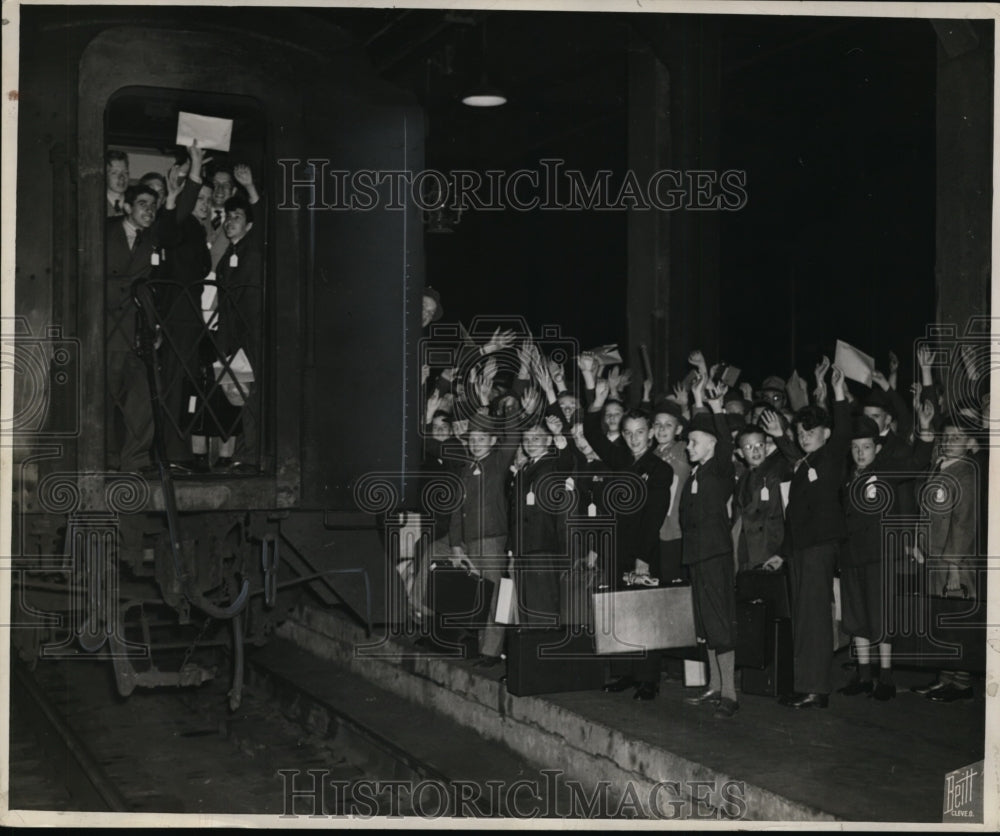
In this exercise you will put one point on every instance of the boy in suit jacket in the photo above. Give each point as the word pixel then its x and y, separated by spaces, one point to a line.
pixel 130 253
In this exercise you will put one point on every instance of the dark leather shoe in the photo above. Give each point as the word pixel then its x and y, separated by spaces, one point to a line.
pixel 924 690
pixel 622 683
pixel 726 709
pixel 810 701
pixel 950 693
pixel 710 697
pixel 883 691
pixel 646 691
pixel 857 686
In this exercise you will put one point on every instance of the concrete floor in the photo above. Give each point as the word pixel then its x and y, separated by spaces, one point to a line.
pixel 858 760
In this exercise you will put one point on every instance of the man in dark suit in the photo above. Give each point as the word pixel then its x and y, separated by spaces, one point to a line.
pixel 116 182
pixel 637 531
pixel 131 253
pixel 708 545
pixel 814 530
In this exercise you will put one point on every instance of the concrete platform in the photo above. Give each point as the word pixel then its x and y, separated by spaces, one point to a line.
pixel 858 760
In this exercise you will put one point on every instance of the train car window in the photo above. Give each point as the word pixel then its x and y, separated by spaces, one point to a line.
pixel 186 282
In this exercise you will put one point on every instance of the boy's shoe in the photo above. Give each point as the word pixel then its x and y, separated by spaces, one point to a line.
pixel 622 683
pixel 950 693
pixel 930 687
pixel 726 708
pixel 709 697
pixel 857 686
pixel 883 691
pixel 646 691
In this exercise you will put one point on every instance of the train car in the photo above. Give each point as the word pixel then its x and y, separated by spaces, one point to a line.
pixel 121 562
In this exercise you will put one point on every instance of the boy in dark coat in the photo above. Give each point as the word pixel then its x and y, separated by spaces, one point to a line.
pixel 708 545
pixel 865 564
pixel 814 530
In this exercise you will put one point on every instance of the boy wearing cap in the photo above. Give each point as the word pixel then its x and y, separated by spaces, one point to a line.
pixel 864 561
pixel 814 529
pixel 708 544
pixel 478 529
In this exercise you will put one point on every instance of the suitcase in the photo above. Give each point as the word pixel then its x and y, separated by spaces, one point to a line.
pixel 766 585
pixel 552 661
pixel 459 599
pixel 754 635
pixel 776 677
pixel 647 618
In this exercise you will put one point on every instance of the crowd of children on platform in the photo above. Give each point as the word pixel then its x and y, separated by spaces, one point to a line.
pixel 723 478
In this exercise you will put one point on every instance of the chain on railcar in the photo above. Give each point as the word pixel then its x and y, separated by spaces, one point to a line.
pixel 145 565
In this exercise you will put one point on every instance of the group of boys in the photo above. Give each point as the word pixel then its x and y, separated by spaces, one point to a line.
pixel 171 234
pixel 754 487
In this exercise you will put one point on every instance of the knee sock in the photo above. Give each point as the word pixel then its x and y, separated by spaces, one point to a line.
pixel 727 669
pixel 714 677
pixel 885 663
pixel 862 650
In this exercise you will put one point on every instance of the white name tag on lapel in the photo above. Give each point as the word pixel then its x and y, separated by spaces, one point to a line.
pixel 765 494
pixel 529 498
pixel 234 260
pixel 812 474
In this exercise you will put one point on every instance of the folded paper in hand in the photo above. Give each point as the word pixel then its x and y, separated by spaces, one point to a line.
pixel 210 131
pixel 607 355
pixel 856 365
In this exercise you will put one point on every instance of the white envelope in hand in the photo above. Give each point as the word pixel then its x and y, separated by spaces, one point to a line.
pixel 856 365
pixel 210 131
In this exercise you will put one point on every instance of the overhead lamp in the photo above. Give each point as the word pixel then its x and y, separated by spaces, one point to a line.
pixel 484 94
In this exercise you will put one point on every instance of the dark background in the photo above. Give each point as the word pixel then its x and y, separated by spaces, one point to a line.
pixel 832 120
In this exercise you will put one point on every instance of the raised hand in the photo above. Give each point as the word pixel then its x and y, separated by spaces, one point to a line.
pixel 433 405
pixel 837 382
pixel 880 379
pixel 714 393
pixel 819 394
pixel 747 391
pixel 554 425
pixel 697 359
pixel 624 379
pixel 499 340
pixel 601 390
pixel 530 400
pixel 586 361
pixel 771 423
pixel 681 394
pixel 925 415
pixel 822 367
pixel 243 175
pixel 614 380
pixel 647 389
pixel 698 389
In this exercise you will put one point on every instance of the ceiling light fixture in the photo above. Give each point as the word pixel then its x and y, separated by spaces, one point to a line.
pixel 484 94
